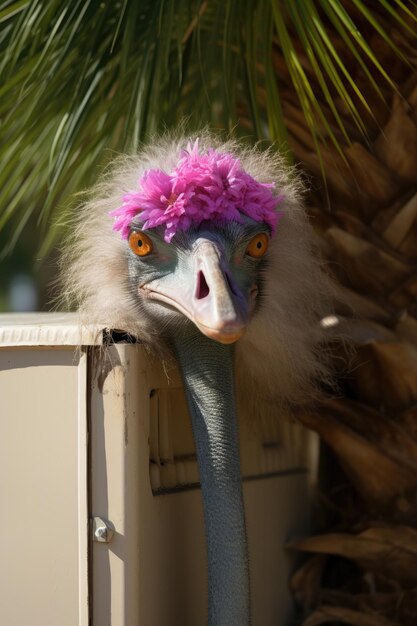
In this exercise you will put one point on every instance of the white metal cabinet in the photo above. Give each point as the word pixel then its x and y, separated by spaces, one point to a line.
pixel 138 471
pixel 43 482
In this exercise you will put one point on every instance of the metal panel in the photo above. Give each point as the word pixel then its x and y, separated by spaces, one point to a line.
pixel 43 487
pixel 154 570
pixel 267 448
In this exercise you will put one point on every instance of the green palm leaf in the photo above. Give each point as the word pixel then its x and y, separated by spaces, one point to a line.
pixel 81 80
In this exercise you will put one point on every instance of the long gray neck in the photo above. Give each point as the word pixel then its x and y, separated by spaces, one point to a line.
pixel 207 371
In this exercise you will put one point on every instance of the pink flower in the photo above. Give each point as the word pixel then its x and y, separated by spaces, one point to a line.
pixel 208 187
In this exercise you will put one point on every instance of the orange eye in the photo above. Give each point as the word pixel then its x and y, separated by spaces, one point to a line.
pixel 140 243
pixel 258 246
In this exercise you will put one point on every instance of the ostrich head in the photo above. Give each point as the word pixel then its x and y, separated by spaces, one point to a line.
pixel 203 250
pixel 211 277
pixel 278 298
pixel 221 219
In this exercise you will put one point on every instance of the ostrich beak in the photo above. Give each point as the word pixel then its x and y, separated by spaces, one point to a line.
pixel 206 293
pixel 218 307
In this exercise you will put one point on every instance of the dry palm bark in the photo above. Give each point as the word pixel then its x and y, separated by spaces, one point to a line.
pixel 363 568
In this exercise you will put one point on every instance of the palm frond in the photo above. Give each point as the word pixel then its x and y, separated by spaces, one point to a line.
pixel 80 80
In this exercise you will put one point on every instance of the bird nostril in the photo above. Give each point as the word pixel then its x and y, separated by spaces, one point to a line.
pixel 202 287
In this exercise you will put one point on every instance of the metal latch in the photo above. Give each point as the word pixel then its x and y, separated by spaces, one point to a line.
pixel 102 530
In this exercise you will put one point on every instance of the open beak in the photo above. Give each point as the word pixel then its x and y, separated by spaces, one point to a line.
pixel 206 293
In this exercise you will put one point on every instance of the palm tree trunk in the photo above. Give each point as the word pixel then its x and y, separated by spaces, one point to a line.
pixel 367 224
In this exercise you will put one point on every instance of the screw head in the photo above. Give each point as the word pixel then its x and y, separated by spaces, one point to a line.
pixel 103 530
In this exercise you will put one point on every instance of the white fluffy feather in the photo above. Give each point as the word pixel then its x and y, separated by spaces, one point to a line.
pixel 282 356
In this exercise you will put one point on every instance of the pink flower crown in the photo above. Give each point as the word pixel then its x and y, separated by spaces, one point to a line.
pixel 202 188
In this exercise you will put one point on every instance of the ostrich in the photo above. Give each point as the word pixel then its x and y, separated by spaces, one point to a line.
pixel 202 250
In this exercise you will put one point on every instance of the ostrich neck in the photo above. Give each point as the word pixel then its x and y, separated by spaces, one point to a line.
pixel 207 371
